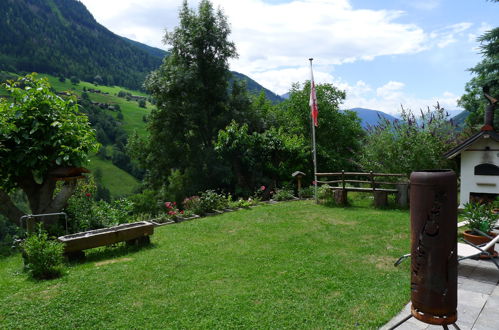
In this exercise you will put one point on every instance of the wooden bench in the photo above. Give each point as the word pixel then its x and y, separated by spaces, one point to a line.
pixel 380 194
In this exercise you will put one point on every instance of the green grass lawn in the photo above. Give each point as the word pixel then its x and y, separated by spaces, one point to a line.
pixel 290 265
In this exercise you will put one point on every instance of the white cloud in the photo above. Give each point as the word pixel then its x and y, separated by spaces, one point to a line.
pixel 391 90
pixel 391 96
pixel 270 37
pixel 449 34
pixel 274 41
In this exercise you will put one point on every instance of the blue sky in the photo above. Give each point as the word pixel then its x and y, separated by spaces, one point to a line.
pixel 382 53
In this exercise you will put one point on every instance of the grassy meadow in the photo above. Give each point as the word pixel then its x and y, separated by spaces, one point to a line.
pixel 289 265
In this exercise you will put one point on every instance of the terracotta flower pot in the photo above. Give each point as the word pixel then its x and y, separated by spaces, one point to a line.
pixel 478 240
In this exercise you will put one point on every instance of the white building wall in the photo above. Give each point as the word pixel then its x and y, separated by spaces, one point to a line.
pixel 471 183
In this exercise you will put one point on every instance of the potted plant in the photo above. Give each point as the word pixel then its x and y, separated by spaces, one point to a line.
pixel 481 219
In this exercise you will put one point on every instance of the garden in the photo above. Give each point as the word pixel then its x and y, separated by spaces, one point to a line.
pixel 291 264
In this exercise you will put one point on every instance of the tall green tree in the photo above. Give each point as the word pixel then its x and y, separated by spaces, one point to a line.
pixel 40 133
pixel 191 90
pixel 486 75
pixel 339 134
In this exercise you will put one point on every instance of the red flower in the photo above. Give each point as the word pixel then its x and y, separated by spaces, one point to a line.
pixel 181 212
pixel 262 188
pixel 172 212
pixel 168 205
pixel 174 203
pixel 88 194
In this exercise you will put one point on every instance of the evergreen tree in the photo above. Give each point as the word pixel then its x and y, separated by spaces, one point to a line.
pixel 190 88
pixel 486 76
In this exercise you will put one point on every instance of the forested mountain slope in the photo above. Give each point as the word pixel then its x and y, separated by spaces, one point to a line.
pixel 61 37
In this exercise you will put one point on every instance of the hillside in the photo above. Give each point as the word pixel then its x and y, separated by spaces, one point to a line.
pixel 61 37
pixel 113 118
pixel 256 88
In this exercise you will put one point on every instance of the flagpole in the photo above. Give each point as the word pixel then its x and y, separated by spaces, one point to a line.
pixel 313 135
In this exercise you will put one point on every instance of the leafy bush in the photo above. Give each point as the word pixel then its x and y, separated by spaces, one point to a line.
pixel 212 201
pixel 193 204
pixel 307 192
pixel 42 257
pixel 409 144
pixel 85 213
pixel 480 216
pixel 283 194
pixel 209 201
pixel 325 195
pixel 240 203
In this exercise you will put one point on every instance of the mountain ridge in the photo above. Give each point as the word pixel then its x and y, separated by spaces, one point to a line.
pixel 62 38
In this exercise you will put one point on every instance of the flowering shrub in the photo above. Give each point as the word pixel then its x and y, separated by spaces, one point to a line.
pixel 212 201
pixel 85 213
pixel 171 210
pixel 209 201
pixel 262 193
pixel 194 205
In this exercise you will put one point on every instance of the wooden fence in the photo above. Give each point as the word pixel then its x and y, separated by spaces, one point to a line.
pixel 341 186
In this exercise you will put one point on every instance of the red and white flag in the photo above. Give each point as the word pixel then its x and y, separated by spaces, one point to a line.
pixel 314 110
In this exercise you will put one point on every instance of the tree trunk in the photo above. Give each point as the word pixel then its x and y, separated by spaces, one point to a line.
pixel 41 199
pixel 9 209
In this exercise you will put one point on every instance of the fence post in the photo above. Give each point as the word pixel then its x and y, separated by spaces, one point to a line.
pixel 343 179
pixel 402 194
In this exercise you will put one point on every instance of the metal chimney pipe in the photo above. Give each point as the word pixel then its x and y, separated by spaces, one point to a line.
pixel 434 246
pixel 489 112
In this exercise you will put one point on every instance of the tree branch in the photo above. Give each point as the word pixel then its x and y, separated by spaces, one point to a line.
pixel 9 209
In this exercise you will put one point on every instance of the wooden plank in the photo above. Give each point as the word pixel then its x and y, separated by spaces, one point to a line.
pixel 361 173
pixel 364 189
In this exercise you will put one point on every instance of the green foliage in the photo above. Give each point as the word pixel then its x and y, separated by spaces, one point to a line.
pixel 77 46
pixel 190 88
pixel 486 75
pixel 257 158
pixel 208 202
pixel 480 216
pixel 409 144
pixel 194 205
pixel 339 135
pixel 307 192
pixel 85 213
pixel 40 130
pixel 283 194
pixel 212 201
pixel 42 256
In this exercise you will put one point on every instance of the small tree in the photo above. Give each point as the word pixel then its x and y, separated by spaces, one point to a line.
pixel 409 144
pixel 39 133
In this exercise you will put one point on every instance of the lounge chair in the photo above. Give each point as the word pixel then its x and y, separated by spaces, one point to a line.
pixel 469 250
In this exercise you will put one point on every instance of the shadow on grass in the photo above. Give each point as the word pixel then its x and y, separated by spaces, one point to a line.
pixel 110 252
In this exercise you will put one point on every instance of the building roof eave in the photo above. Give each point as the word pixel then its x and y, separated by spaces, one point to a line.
pixel 468 142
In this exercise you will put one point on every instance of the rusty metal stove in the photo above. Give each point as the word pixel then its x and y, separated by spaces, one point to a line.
pixel 433 247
